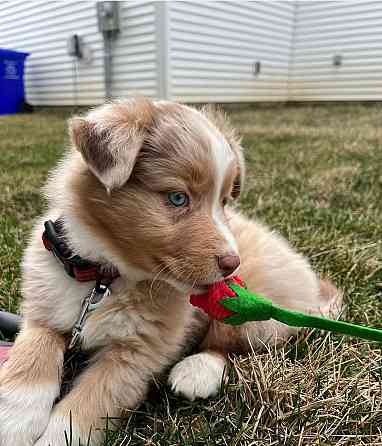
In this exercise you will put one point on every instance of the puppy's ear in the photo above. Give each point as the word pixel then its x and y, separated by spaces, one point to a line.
pixel 220 119
pixel 110 138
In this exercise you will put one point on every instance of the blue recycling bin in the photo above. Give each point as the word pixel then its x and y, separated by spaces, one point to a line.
pixel 12 94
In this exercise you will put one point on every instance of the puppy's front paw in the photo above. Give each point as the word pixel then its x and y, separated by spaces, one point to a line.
pixel 24 413
pixel 198 376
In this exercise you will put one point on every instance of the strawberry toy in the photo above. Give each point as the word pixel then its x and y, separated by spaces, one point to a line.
pixel 232 303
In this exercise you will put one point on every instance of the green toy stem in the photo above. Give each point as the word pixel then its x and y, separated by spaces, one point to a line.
pixel 254 307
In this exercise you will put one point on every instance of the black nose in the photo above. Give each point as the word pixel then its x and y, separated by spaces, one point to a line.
pixel 228 264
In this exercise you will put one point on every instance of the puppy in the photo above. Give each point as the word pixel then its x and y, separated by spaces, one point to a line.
pixel 144 191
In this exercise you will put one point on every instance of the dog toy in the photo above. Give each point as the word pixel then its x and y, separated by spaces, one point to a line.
pixel 231 302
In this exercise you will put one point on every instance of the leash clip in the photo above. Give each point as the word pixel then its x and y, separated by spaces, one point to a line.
pixel 89 304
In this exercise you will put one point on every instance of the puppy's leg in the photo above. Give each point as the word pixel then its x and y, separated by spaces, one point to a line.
pixel 199 375
pixel 29 384
pixel 116 380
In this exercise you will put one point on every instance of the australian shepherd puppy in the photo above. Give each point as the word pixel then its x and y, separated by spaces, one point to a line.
pixel 145 190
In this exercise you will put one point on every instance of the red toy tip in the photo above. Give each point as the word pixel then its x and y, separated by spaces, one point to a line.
pixel 210 302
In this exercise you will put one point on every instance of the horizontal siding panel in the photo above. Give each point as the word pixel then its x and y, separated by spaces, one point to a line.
pixel 136 9
pixel 38 35
pixel 130 70
pixel 60 19
pixel 197 15
pixel 318 10
pixel 369 72
pixel 48 79
pixel 356 54
pixel 65 88
pixel 215 44
pixel 184 47
pixel 265 11
pixel 335 85
pixel 128 77
pixel 130 93
pixel 138 50
pixel 324 29
pixel 233 59
pixel 207 39
pixel 48 12
pixel 135 68
pixel 56 65
pixel 66 101
pixel 217 28
pixel 364 35
pixel 218 76
pixel 40 54
pixel 211 97
pixel 355 23
pixel 239 71
pixel 354 92
pixel 137 31
pixel 229 85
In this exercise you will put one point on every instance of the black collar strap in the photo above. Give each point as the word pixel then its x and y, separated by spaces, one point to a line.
pixel 74 265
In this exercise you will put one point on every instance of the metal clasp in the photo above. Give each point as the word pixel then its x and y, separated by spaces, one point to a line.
pixel 89 304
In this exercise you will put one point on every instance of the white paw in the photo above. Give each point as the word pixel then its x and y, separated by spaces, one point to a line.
pixel 62 431
pixel 24 413
pixel 198 376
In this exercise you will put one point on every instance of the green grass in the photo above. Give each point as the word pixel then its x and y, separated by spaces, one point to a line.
pixel 314 174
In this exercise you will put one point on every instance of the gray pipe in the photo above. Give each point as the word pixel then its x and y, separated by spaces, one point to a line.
pixel 107 60
pixel 9 323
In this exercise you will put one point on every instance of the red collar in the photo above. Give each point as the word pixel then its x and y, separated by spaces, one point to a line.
pixel 74 265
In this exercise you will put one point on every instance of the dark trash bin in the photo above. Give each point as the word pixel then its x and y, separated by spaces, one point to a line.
pixel 12 96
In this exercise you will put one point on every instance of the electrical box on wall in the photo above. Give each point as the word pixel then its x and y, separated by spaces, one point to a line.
pixel 337 60
pixel 74 46
pixel 108 17
pixel 256 68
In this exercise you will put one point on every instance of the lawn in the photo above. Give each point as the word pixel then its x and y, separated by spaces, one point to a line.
pixel 314 173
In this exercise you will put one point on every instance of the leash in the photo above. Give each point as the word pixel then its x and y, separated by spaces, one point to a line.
pixel 232 303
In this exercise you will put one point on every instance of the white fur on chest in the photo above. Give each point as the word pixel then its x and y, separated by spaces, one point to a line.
pixel 110 322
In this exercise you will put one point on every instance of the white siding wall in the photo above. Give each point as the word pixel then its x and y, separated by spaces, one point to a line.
pixel 352 29
pixel 213 46
pixel 202 51
pixel 135 51
pixel 42 28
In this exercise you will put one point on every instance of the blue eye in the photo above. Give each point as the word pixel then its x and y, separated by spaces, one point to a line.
pixel 178 199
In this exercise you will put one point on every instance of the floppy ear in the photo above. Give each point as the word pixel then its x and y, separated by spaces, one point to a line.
pixel 110 138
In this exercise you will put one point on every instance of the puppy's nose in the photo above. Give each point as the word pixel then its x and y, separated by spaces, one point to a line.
pixel 228 264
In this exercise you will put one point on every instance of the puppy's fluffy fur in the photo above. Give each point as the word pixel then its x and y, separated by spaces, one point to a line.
pixel 112 192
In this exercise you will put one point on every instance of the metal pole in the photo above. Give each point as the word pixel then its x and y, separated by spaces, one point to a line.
pixel 107 62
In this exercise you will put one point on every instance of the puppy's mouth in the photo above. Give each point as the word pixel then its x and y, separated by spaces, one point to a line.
pixel 191 287
pixel 190 283
pixel 199 290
